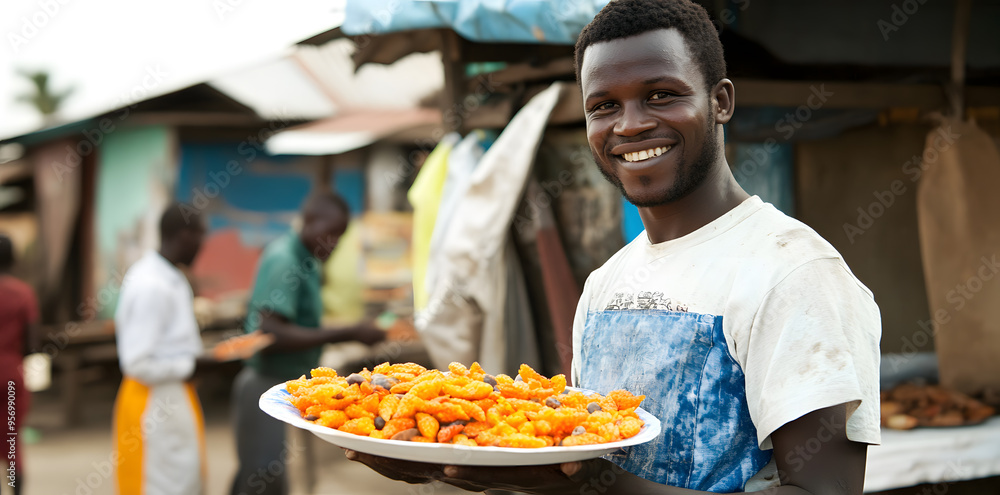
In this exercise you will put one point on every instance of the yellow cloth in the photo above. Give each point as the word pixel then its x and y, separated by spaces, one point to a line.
pixel 342 290
pixel 425 197
pixel 159 439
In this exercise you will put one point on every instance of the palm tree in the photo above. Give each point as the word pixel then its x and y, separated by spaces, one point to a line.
pixel 42 97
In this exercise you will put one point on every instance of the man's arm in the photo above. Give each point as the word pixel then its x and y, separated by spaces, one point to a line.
pixel 813 454
pixel 291 337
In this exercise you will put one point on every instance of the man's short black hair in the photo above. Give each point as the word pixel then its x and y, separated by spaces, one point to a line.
pixel 323 197
pixel 625 18
pixel 6 253
pixel 177 218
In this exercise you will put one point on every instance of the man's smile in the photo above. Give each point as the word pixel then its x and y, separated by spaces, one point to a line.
pixel 641 151
pixel 639 156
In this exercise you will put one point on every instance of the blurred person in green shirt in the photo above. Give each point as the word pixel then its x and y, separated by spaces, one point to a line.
pixel 286 303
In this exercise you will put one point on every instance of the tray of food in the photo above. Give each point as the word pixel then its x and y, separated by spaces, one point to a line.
pixel 463 416
pixel 241 346
pixel 910 405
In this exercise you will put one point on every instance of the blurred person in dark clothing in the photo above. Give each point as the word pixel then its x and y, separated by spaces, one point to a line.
pixel 18 316
pixel 286 304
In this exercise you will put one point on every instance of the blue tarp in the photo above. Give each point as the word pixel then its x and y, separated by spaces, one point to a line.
pixel 516 21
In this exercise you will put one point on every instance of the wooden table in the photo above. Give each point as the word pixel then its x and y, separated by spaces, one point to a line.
pixel 82 350
pixel 934 455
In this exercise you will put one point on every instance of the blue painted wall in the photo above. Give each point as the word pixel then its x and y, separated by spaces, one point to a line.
pixel 255 193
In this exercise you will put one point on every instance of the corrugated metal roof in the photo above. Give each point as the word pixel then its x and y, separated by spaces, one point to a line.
pixel 525 21
pixel 349 130
pixel 318 81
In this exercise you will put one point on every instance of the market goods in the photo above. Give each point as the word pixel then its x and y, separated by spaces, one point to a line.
pixel 908 406
pixel 241 347
pixel 463 406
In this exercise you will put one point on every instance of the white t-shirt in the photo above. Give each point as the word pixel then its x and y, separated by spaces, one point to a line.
pixel 753 314
pixel 157 334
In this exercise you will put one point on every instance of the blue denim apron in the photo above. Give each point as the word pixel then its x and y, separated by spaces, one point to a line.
pixel 681 363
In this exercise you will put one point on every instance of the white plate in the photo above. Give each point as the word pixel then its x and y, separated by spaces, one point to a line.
pixel 275 403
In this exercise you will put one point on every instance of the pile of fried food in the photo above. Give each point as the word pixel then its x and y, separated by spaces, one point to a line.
pixel 908 406
pixel 465 406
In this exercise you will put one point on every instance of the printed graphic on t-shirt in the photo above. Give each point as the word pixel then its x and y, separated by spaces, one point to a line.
pixel 645 300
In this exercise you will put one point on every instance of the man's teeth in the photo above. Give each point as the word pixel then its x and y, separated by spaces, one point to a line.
pixel 645 155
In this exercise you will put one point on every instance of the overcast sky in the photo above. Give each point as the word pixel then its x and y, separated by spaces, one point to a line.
pixel 112 51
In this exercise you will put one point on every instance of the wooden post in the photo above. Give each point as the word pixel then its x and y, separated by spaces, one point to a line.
pixel 452 113
pixel 326 171
pixel 959 41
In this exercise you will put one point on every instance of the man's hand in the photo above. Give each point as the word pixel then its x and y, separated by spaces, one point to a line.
pixel 813 455
pixel 290 337
pixel 369 334
pixel 592 476
pixel 406 471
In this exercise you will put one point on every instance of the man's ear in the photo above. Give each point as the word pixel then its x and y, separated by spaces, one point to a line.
pixel 723 101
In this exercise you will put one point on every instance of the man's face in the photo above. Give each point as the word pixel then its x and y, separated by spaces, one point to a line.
pixel 326 230
pixel 649 119
pixel 191 239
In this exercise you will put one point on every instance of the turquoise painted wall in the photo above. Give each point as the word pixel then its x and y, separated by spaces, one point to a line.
pixel 767 170
pixel 135 177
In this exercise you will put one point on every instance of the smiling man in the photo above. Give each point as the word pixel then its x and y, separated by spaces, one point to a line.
pixel 753 342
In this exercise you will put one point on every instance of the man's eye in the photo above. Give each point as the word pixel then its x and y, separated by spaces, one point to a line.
pixel 604 106
pixel 661 95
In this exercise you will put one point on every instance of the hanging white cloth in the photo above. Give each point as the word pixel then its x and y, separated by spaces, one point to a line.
pixel 464 320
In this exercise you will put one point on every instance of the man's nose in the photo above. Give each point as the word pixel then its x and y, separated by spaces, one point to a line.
pixel 634 120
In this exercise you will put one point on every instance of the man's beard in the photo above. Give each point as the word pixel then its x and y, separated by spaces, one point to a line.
pixel 689 175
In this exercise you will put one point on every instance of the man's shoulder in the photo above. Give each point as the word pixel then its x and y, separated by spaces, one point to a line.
pixel 620 256
pixel 13 288
pixel 281 251
pixel 147 273
pixel 777 245
pixel 772 237
pixel 285 260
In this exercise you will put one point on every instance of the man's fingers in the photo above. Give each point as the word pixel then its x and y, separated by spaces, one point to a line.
pixel 583 472
pixel 410 472
pixel 466 485
pixel 571 469
pixel 503 477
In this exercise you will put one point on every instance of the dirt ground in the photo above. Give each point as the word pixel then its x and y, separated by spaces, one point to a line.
pixel 77 460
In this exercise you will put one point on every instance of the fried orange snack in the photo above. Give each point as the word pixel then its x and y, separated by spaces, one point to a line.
pixel 464 406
